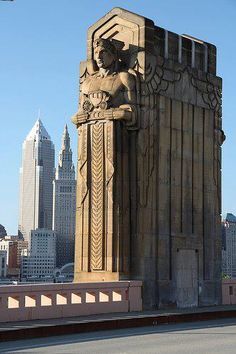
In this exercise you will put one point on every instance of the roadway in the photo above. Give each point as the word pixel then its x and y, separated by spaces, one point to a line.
pixel 206 337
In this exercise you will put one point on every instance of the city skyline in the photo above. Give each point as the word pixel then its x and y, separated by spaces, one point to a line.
pixel 149 245
pixel 41 70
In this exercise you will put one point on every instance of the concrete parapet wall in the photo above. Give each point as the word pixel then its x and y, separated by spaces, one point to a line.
pixel 29 302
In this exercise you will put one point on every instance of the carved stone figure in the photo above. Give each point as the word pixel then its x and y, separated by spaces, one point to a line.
pixel 110 93
pixel 149 162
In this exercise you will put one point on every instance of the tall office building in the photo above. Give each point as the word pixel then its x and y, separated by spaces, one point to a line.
pixel 36 178
pixel 3 264
pixel 229 246
pixel 64 201
pixel 3 232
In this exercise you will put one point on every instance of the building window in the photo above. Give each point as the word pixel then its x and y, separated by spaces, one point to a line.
pixel 65 189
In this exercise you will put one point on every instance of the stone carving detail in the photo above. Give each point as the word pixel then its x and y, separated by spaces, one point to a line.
pixel 211 93
pixel 159 77
pixel 153 75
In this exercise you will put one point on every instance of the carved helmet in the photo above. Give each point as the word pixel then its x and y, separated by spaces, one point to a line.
pixel 106 44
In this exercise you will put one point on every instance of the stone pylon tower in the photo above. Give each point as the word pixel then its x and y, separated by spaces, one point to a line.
pixel 36 177
pixel 149 164
pixel 64 197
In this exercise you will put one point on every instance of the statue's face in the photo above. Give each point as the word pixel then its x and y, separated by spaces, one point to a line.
pixel 103 57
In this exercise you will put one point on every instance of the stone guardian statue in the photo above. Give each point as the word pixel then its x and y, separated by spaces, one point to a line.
pixel 107 110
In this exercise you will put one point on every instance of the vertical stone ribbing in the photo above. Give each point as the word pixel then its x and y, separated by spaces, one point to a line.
pixel 109 199
pixel 176 197
pixel 187 170
pixel 97 197
pixel 170 192
pixel 192 167
pixel 203 196
pixel 164 188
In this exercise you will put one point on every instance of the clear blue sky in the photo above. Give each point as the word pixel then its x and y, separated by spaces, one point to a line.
pixel 41 45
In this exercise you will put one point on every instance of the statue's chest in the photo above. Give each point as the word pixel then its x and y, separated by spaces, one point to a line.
pixel 110 84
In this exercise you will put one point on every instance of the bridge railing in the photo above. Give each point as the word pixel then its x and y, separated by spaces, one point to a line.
pixel 44 301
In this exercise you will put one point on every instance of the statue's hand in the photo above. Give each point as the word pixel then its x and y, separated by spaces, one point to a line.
pixel 100 115
pixel 124 112
pixel 110 114
pixel 79 118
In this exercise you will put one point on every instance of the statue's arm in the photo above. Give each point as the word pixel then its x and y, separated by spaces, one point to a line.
pixel 127 111
pixel 129 82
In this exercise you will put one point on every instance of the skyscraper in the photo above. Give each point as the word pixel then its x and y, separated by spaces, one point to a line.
pixel 36 178
pixel 64 199
pixel 3 232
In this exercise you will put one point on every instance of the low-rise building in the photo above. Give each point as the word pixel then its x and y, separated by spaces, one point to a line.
pixel 21 247
pixel 13 246
pixel 5 246
pixel 40 260
pixel 3 264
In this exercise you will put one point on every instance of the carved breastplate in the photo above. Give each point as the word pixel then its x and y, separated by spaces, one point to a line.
pixel 98 88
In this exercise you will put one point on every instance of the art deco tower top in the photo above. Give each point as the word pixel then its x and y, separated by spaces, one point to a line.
pixel 65 168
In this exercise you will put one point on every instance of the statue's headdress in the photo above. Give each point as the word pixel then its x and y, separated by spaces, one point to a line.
pixel 106 44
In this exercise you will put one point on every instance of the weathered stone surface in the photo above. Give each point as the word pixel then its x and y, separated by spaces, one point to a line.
pixel 149 162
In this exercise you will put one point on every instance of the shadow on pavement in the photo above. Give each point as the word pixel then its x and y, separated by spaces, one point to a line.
pixel 24 344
